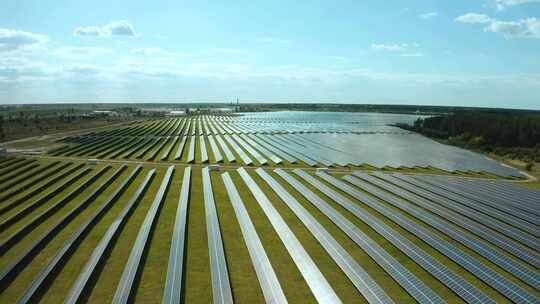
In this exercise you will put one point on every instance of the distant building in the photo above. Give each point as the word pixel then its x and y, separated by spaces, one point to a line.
pixel 222 110
pixel 154 111
pixel 104 113
pixel 176 113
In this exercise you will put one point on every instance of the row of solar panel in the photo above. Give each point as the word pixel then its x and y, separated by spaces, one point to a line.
pixel 314 278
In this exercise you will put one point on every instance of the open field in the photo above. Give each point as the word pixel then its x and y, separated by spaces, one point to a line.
pixel 151 220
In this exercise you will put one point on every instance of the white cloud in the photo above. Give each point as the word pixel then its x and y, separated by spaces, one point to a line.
pixel 115 28
pixel 508 28
pixel 502 4
pixel 17 69
pixel 428 15
pixel 390 47
pixel 120 28
pixel 13 40
pixel 522 28
pixel 473 18
pixel 88 31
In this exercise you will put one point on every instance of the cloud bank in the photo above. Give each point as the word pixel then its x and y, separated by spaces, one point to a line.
pixel 502 4
pixel 522 28
pixel 115 28
pixel 13 40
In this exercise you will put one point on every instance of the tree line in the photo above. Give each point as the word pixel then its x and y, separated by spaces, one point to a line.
pixel 514 133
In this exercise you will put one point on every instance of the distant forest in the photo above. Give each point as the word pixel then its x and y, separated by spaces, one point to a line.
pixel 511 134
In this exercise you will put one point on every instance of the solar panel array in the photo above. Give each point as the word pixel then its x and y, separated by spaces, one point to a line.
pixel 319 286
pixel 271 288
pixel 439 271
pixel 486 274
pixel 344 238
pixel 125 287
pixel 358 276
pixel 339 143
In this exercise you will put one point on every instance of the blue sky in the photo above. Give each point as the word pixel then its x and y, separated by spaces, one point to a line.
pixel 460 52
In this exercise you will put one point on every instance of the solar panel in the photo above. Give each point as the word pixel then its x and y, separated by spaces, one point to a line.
pixel 228 154
pixel 159 148
pixel 221 288
pixel 71 244
pixel 406 279
pixel 287 149
pixel 191 151
pixel 320 288
pixel 150 147
pixel 358 276
pixel 490 276
pixel 461 204
pixel 332 156
pixel 276 160
pixel 250 150
pixel 38 219
pixel 313 154
pixel 511 196
pixel 510 188
pixel 456 283
pixel 134 150
pixel 125 287
pixel 492 200
pixel 271 148
pixel 173 285
pixel 170 147
pixel 24 168
pixel 265 273
pixel 245 158
pixel 202 146
pixel 416 195
pixel 215 149
pixel 27 177
pixel 512 220
pixel 98 255
pixel 41 188
pixel 180 151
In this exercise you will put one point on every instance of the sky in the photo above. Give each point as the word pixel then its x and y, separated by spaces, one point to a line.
pixel 462 52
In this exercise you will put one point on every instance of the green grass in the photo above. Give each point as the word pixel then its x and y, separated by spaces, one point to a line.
pixel 72 268
pixel 198 285
pixel 109 277
pixel 244 282
pixel 241 272
pixel 295 288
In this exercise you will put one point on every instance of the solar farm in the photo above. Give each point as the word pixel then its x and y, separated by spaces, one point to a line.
pixel 265 207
